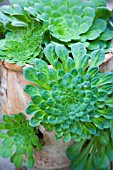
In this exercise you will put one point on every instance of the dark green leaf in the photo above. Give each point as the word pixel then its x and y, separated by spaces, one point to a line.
pixel 18 160
pixel 92 71
pixel 3 135
pixel 103 13
pixel 104 138
pixel 30 150
pixel 2 126
pixel 30 89
pixel 74 150
pixel 32 109
pixel 109 102
pixel 30 161
pixel 67 137
pixel 111 128
pixel 109 152
pixel 34 122
pixel 7 118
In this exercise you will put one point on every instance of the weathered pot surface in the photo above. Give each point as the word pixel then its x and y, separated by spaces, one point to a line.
pixel 53 154
pixel 12 96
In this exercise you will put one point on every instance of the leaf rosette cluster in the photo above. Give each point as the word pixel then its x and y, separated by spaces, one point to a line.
pixel 23 45
pixel 68 21
pixel 70 97
pixel 19 138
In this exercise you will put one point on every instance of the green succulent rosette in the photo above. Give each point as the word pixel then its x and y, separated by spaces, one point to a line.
pixel 70 97
pixel 19 138
pixel 23 45
pixel 15 15
pixel 72 21
pixel 94 154
pixel 67 21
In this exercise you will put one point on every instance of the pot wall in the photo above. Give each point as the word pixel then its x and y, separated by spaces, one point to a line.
pixel 12 97
pixel 53 154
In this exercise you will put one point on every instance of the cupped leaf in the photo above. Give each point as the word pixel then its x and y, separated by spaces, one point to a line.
pixel 31 109
pixel 34 122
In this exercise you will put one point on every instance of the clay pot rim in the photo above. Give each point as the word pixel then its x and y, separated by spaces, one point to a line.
pixel 15 67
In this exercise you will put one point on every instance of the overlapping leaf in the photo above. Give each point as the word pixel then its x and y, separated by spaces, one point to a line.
pixel 23 45
pixel 70 96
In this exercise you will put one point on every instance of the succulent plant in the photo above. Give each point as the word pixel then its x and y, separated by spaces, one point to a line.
pixel 70 97
pixel 23 45
pixel 94 154
pixel 72 21
pixel 14 15
pixel 67 21
pixel 19 138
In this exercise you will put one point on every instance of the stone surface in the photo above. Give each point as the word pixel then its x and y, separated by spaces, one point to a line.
pixel 12 96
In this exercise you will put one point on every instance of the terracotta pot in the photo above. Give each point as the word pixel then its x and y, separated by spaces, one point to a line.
pixel 53 154
pixel 12 97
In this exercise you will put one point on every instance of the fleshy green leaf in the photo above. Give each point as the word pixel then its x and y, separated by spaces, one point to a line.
pixel 104 139
pixel 30 74
pixel 3 135
pixel 67 137
pixel 109 102
pixel 78 51
pixel 7 152
pixel 30 161
pixel 34 122
pixel 31 109
pixel 30 89
pixel 41 65
pixel 7 118
pixel 8 142
pixel 18 160
pixel 97 58
pixel 111 128
pixel 62 52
